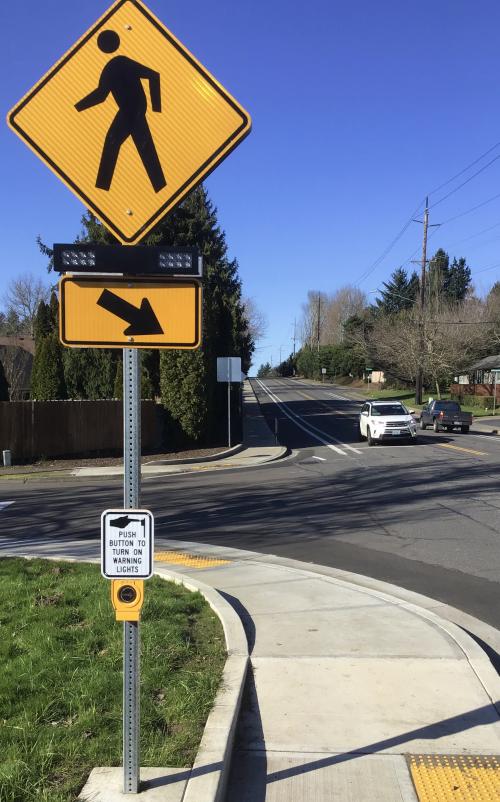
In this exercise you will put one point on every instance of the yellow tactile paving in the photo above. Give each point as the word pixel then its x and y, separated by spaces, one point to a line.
pixel 455 778
pixel 188 560
pixel 460 448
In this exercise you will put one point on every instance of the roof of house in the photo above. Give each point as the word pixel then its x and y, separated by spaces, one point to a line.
pixel 20 341
pixel 488 363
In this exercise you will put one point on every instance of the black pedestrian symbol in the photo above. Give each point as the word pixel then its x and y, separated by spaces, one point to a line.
pixel 124 521
pixel 122 78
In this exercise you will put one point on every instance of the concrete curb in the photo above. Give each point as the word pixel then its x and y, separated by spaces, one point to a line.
pixel 209 458
pixel 209 775
pixel 486 429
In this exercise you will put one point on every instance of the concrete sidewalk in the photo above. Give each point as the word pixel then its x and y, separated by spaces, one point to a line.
pixel 486 424
pixel 258 447
pixel 347 680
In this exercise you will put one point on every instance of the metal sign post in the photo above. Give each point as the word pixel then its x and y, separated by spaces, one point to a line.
pixel 229 370
pixel 496 372
pixel 131 635
pixel 129 190
pixel 229 406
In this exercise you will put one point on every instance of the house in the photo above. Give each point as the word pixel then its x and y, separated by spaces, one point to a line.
pixel 16 356
pixel 481 379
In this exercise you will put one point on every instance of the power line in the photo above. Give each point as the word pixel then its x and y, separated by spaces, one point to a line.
pixel 465 169
pixel 455 189
pixel 398 236
pixel 485 269
pixel 472 209
pixel 389 248
pixel 476 234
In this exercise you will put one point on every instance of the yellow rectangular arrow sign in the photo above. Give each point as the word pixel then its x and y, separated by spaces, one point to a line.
pixel 129 312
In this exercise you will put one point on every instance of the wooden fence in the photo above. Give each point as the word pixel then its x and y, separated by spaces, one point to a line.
pixel 39 429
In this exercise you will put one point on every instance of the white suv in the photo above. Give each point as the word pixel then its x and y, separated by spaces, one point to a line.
pixel 386 420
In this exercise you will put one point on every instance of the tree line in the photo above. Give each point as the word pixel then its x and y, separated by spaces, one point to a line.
pixel 347 335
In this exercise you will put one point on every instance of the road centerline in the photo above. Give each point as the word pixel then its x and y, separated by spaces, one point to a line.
pixel 310 429
pixel 461 448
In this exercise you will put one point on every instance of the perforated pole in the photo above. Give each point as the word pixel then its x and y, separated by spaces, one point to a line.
pixel 131 635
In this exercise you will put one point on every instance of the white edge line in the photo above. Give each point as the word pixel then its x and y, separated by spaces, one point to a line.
pixel 309 429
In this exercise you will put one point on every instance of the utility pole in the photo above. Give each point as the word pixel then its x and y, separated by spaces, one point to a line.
pixel 420 373
pixel 294 334
pixel 419 383
pixel 319 316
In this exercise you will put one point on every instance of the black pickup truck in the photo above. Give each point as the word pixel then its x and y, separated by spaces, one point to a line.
pixel 445 415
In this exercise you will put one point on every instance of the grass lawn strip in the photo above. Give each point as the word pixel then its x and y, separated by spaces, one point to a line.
pixel 408 399
pixel 61 681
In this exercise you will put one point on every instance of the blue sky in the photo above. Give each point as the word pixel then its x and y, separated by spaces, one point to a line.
pixel 359 110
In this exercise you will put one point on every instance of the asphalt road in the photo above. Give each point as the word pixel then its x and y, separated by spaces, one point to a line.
pixel 424 516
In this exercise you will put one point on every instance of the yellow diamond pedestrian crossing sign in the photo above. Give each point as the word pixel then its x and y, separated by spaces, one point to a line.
pixel 130 120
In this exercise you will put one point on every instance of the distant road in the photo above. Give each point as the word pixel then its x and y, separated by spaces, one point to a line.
pixel 424 516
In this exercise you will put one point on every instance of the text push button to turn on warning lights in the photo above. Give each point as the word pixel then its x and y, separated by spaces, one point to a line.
pixel 127 544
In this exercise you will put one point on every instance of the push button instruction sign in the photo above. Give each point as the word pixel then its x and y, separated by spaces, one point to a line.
pixel 127 544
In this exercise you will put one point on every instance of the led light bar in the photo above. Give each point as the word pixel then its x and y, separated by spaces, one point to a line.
pixel 135 260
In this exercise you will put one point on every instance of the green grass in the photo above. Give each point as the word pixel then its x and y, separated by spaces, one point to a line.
pixel 408 399
pixel 61 680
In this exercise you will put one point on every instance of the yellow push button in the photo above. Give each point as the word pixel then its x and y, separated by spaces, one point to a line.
pixel 127 596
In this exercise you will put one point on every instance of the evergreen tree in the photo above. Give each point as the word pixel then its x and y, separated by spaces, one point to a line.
pixel 447 283
pixel 47 378
pixel 183 392
pixel 89 372
pixel 11 323
pixel 494 292
pixel 264 370
pixel 4 385
pixel 54 311
pixel 42 324
pixel 151 368
pixel 459 280
pixel 400 293
pixel 147 391
pixel 196 404
pixel 118 385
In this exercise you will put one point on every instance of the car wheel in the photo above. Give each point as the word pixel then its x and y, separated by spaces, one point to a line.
pixel 371 441
pixel 360 435
pixel 464 429
pixel 435 425
pixel 422 424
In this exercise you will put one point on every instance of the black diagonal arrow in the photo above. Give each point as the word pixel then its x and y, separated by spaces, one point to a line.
pixel 142 320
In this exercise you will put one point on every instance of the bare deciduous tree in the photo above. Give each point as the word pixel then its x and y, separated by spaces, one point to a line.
pixel 23 296
pixel 443 343
pixel 313 318
pixel 256 319
pixel 342 305
pixel 17 367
